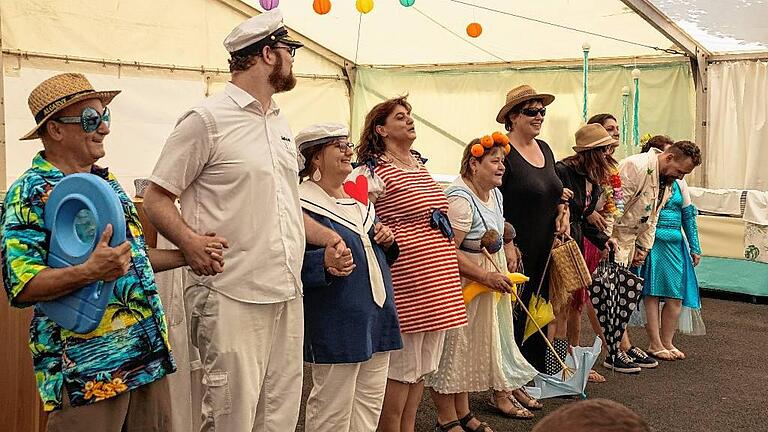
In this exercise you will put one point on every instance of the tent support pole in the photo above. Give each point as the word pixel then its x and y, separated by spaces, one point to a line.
pixel 3 168
pixel 665 26
pixel 350 72
pixel 699 67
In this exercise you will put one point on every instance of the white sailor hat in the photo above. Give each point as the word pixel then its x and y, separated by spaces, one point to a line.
pixel 254 34
pixel 318 134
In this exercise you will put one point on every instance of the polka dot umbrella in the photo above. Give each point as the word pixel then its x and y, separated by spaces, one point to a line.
pixel 615 292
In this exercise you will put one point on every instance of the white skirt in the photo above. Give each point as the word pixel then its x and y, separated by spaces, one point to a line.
pixel 482 355
pixel 418 358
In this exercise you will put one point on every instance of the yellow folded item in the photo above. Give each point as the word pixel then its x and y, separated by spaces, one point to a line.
pixel 472 289
pixel 541 311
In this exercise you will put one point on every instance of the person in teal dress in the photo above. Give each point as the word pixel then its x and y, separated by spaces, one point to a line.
pixel 669 275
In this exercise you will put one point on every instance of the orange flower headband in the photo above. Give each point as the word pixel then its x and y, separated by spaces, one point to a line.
pixel 488 141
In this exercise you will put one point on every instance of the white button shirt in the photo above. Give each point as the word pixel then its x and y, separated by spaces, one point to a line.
pixel 235 170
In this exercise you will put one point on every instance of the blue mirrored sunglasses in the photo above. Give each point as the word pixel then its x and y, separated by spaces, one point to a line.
pixel 89 119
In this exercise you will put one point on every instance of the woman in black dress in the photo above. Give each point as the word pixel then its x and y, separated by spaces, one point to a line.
pixel 535 202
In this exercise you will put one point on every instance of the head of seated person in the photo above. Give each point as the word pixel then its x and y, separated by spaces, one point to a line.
pixel 594 415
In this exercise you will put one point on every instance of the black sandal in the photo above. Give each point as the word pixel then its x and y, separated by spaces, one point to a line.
pixel 448 426
pixel 483 427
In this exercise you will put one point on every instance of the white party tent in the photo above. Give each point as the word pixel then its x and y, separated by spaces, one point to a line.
pixel 702 63
pixel 696 82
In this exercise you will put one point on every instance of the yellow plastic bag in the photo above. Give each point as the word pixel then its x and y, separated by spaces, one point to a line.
pixel 541 311
pixel 473 289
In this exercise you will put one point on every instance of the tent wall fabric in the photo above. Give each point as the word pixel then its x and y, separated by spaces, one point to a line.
pixel 158 46
pixel 144 114
pixel 453 106
pixel 738 126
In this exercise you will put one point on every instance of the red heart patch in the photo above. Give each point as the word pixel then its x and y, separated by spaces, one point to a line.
pixel 358 189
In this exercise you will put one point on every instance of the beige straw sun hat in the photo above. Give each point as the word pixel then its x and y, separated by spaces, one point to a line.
pixel 521 94
pixel 59 92
pixel 592 136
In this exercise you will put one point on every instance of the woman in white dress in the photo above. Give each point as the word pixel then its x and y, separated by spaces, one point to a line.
pixel 483 355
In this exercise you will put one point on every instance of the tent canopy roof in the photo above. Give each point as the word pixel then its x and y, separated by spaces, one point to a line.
pixel 434 31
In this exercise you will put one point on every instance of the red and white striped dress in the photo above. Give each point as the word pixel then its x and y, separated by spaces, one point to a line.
pixel 426 281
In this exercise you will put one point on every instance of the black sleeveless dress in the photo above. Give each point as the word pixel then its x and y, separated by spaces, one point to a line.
pixel 531 196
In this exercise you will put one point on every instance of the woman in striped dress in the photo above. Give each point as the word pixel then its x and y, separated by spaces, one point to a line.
pixel 426 281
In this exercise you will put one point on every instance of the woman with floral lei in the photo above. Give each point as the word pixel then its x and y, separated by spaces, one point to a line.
pixel 584 173
pixel 482 355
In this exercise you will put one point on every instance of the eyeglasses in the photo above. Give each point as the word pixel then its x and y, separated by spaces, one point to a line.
pixel 89 119
pixel 531 112
pixel 344 146
pixel 291 50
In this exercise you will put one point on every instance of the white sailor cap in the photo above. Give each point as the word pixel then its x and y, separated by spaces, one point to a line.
pixel 257 32
pixel 318 134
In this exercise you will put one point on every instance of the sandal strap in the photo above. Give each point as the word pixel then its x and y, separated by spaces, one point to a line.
pixel 448 426
pixel 466 419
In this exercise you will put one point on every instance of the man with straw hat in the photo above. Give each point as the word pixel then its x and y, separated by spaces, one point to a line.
pixel 113 378
pixel 232 162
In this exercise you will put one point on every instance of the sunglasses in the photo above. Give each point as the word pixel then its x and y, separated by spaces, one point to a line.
pixel 89 119
pixel 291 50
pixel 531 112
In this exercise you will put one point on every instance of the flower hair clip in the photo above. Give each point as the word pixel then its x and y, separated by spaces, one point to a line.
pixel 489 141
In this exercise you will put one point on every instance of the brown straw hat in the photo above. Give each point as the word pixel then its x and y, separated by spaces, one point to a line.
pixel 59 92
pixel 521 94
pixel 592 136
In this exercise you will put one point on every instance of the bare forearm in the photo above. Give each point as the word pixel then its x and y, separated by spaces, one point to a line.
pixel 53 283
pixel 164 215
pixel 469 269
pixel 166 259
pixel 316 233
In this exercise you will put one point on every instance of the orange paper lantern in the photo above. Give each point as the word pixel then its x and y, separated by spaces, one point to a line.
pixel 321 7
pixel 474 29
pixel 364 6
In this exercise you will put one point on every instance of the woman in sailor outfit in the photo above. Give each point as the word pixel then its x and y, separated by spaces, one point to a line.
pixel 350 323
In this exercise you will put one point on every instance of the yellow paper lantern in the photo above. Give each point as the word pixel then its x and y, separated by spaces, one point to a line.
pixel 474 29
pixel 364 6
pixel 321 7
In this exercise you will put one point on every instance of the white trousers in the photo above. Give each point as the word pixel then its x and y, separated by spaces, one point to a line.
pixel 347 397
pixel 252 361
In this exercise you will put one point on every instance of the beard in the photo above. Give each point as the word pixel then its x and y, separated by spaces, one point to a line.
pixel 279 81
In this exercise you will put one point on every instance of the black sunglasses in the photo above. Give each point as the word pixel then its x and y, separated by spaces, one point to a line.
pixel 531 112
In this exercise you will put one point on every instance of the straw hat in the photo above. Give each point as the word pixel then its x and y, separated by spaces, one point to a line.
pixel 593 136
pixel 59 92
pixel 521 94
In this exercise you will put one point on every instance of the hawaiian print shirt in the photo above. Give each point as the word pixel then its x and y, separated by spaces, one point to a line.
pixel 130 346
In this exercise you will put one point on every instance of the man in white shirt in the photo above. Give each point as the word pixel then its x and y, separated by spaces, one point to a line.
pixel 232 162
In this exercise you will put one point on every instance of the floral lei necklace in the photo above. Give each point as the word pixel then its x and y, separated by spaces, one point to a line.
pixel 614 197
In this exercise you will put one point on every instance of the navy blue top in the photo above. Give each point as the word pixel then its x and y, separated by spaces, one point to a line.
pixel 342 323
